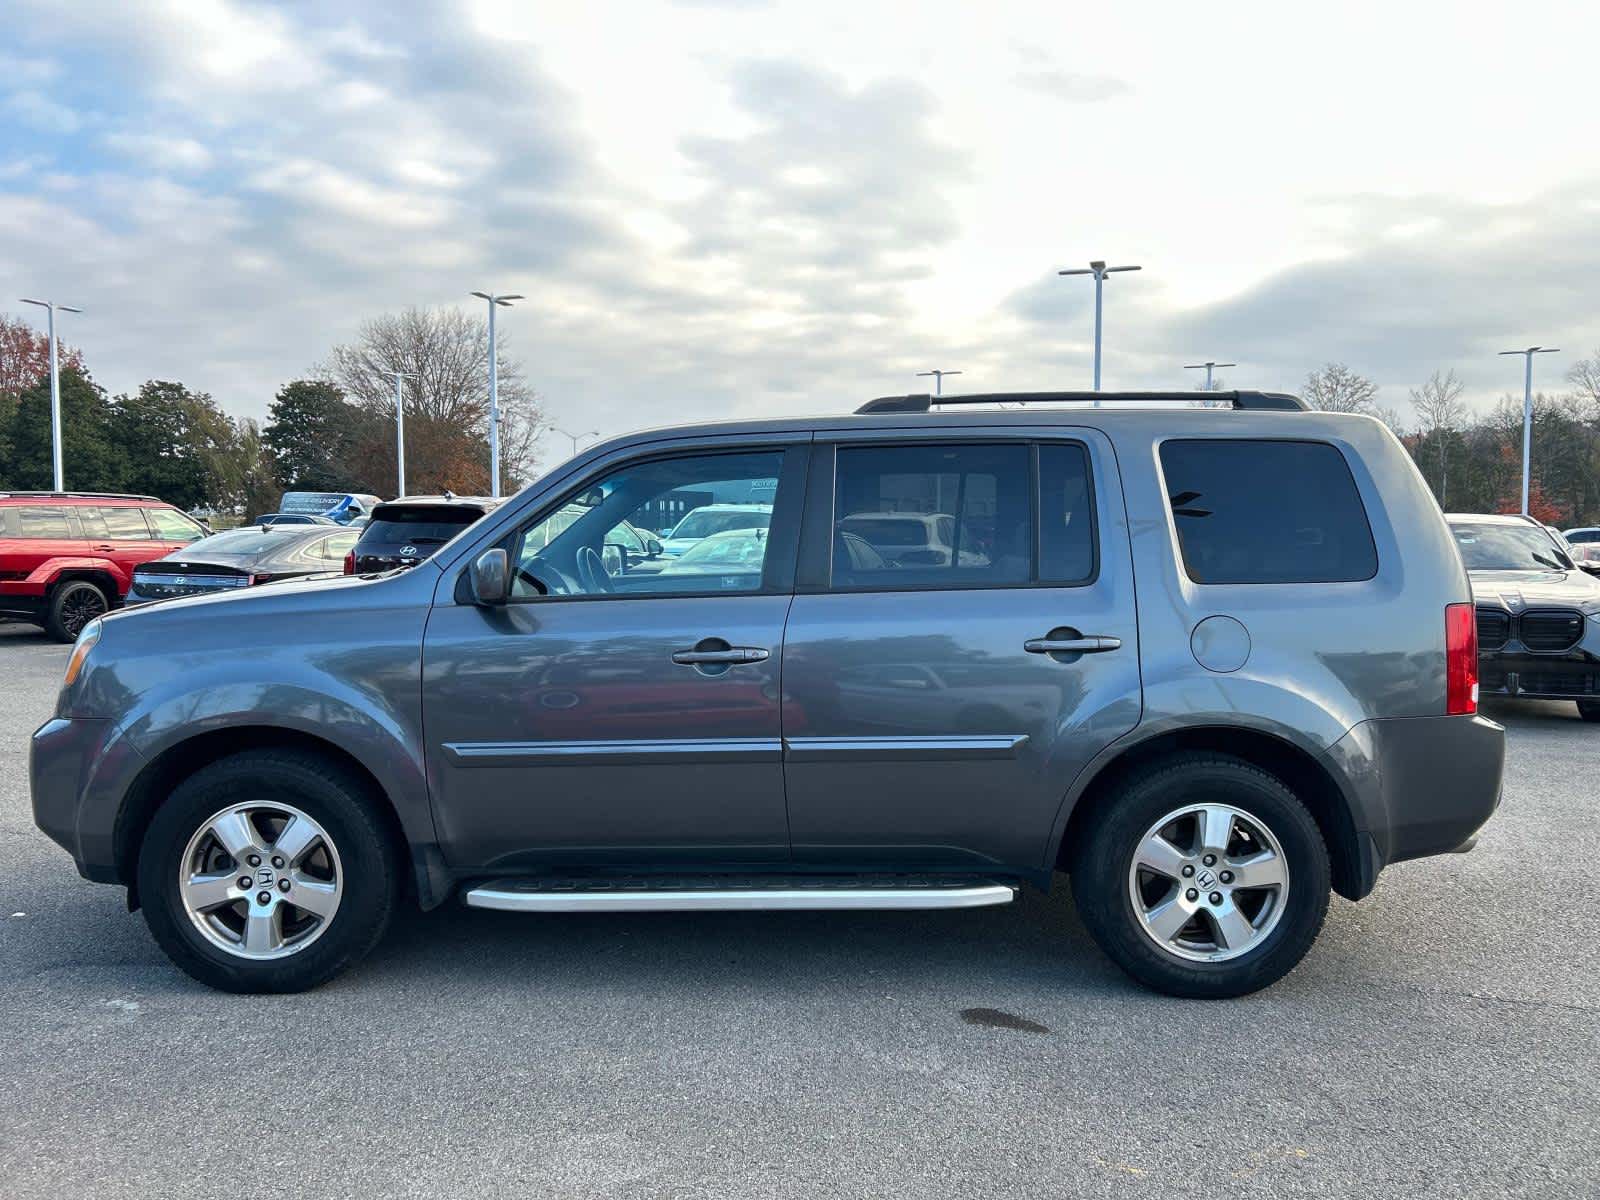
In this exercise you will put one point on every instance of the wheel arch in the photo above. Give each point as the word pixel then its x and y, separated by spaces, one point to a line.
pixel 102 577
pixel 1301 771
pixel 430 877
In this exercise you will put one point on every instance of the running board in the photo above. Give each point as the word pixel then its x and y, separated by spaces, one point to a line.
pixel 744 894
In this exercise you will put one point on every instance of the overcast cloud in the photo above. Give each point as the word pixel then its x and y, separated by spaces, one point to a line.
pixel 722 208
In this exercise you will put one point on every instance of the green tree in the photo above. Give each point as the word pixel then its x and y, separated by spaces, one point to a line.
pixel 176 443
pixel 247 475
pixel 92 458
pixel 312 434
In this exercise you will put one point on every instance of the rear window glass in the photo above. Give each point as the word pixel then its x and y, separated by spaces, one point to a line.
pixel 28 522
pixel 125 524
pixel 1256 511
pixel 430 526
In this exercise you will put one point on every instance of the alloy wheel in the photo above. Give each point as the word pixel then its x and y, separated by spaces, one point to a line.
pixel 261 880
pixel 1208 882
pixel 81 607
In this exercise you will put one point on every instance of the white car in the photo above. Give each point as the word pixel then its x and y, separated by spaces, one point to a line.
pixel 708 519
pixel 1582 535
pixel 911 539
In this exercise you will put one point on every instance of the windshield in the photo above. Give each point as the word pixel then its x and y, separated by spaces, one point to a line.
pixel 1580 536
pixel 703 522
pixel 1507 548
pixel 745 548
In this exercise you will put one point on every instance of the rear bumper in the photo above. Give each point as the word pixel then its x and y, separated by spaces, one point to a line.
pixel 1419 785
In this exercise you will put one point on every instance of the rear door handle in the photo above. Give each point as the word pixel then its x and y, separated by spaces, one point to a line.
pixel 733 655
pixel 1095 644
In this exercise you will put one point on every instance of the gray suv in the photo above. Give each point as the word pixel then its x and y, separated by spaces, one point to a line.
pixel 1212 661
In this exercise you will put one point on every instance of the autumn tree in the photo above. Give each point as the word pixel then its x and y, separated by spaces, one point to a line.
pixel 1336 388
pixel 446 353
pixel 25 358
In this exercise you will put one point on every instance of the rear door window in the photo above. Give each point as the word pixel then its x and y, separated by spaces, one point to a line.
pixel 125 524
pixel 1263 511
pixel 35 522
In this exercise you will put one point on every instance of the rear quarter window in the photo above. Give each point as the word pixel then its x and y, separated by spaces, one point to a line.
pixel 1261 511
pixel 27 521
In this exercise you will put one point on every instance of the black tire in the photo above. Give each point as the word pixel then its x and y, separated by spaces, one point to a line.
pixel 1104 858
pixel 328 794
pixel 1589 710
pixel 73 605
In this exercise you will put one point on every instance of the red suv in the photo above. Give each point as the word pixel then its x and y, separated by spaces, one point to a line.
pixel 67 557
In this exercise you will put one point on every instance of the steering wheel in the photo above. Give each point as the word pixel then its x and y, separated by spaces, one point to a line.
pixel 592 573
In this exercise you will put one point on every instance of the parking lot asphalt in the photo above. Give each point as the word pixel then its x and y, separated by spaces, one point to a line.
pixel 1441 1039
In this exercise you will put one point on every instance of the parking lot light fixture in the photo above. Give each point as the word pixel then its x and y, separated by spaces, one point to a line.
pixel 1099 270
pixel 55 388
pixel 938 379
pixel 575 437
pixel 400 429
pixel 1206 366
pixel 495 301
pixel 1527 413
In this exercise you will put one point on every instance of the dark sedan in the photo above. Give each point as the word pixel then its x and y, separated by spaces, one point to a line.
pixel 1538 614
pixel 403 532
pixel 244 557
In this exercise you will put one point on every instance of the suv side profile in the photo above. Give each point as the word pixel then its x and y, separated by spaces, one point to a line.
pixel 1213 660
pixel 68 557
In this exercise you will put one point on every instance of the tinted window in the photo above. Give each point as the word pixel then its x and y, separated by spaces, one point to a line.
pixel 1066 515
pixel 173 527
pixel 1267 512
pixel 125 524
pixel 574 549
pixel 421 525
pixel 1496 547
pixel 36 523
pixel 1580 536
pixel 933 515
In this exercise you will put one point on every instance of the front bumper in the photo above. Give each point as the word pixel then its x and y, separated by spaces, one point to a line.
pixel 1574 675
pixel 66 756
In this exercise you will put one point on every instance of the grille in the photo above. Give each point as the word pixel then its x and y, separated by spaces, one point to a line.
pixel 1557 683
pixel 1551 628
pixel 1494 628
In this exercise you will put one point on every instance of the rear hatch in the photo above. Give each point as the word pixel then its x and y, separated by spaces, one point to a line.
pixel 402 535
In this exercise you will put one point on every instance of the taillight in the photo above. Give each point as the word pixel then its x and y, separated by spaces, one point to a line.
pixel 350 563
pixel 1460 659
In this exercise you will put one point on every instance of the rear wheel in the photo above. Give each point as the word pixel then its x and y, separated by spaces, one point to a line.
pixel 1589 710
pixel 73 605
pixel 1203 876
pixel 267 872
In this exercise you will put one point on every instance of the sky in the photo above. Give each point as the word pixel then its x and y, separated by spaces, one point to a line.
pixel 726 208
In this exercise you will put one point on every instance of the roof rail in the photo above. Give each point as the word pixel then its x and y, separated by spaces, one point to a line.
pixel 1268 401
pixel 85 495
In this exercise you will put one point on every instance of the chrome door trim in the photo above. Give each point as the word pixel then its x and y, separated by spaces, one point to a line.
pixel 903 749
pixel 627 753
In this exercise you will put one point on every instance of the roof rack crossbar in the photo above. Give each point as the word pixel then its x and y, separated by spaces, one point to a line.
pixel 1258 401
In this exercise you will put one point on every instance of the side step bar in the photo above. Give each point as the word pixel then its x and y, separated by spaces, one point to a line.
pixel 540 896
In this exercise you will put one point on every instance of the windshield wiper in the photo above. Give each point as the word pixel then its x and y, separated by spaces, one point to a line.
pixel 1548 562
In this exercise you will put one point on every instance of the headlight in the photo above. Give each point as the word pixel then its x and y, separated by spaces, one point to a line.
pixel 1591 608
pixel 87 637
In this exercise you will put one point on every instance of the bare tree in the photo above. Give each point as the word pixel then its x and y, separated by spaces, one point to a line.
pixel 1441 410
pixel 447 400
pixel 1585 376
pixel 1336 388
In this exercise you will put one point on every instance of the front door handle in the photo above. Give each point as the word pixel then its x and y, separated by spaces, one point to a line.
pixel 727 655
pixel 1096 644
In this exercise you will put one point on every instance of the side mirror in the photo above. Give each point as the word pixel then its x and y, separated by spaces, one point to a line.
pixel 652 548
pixel 1591 566
pixel 491 578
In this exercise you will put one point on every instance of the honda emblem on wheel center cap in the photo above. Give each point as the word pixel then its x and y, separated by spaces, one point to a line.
pixel 264 877
pixel 1205 879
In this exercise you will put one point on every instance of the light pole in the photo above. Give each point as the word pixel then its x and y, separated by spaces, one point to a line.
pixel 938 379
pixel 494 390
pixel 400 428
pixel 55 388
pixel 575 437
pixel 1527 413
pixel 1207 366
pixel 1099 270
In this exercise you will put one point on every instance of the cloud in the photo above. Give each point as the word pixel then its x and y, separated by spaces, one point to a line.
pixel 160 152
pixel 1073 88
pixel 42 113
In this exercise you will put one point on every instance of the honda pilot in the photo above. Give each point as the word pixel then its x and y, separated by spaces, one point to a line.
pixel 1211 660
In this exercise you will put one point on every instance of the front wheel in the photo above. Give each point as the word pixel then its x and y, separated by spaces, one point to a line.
pixel 1203 876
pixel 267 872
